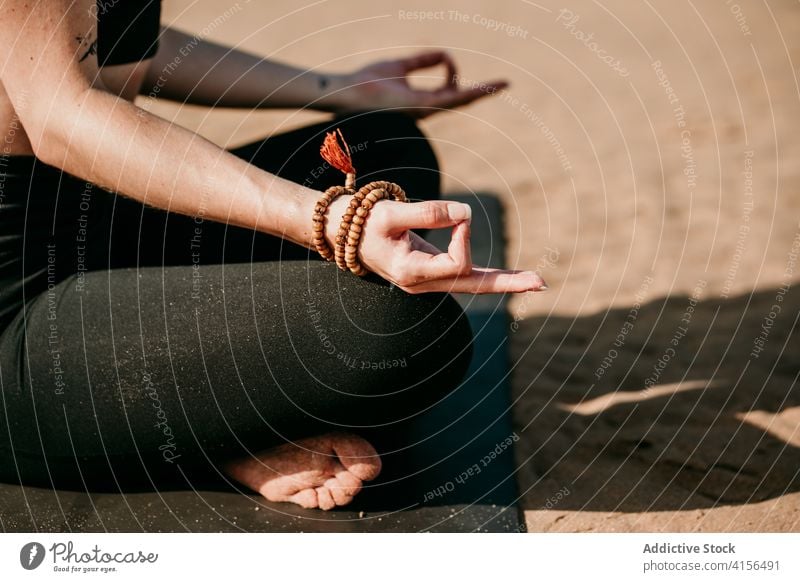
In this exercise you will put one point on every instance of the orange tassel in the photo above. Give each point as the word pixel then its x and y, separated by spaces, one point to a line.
pixel 335 155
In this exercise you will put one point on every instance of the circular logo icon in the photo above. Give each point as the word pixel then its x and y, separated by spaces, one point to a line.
pixel 31 555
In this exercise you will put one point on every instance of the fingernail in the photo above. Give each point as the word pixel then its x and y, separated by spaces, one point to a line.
pixel 539 285
pixel 458 211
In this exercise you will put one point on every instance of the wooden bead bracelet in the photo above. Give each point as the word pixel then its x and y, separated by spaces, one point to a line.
pixel 318 233
pixel 348 237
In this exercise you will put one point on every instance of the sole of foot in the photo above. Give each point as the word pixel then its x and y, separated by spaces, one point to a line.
pixel 319 472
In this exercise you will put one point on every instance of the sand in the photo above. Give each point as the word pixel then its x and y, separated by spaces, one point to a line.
pixel 646 154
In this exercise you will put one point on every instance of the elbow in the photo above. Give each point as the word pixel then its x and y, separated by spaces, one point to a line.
pixel 48 147
pixel 51 125
pixel 45 136
pixel 35 135
pixel 51 136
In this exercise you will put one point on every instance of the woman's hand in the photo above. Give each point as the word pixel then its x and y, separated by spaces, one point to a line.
pixel 384 85
pixel 400 256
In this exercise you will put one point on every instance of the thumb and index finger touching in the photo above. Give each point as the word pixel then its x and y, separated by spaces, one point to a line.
pixel 451 94
pixel 453 270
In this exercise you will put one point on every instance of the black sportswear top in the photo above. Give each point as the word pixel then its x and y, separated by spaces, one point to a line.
pixel 127 30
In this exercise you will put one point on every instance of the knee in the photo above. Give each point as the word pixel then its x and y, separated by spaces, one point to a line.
pixel 377 354
pixel 444 352
pixel 425 362
pixel 418 150
pixel 383 124
pixel 403 132
pixel 402 128
pixel 397 150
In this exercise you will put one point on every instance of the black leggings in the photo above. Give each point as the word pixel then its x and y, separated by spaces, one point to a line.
pixel 141 348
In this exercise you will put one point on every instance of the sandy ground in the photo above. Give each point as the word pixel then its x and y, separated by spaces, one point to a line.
pixel 647 156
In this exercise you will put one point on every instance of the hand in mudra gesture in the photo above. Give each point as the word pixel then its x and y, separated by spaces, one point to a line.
pixel 401 256
pixel 385 85
pixel 381 236
pixel 390 249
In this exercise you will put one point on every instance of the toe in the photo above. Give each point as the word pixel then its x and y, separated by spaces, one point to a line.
pixel 358 456
pixel 349 484
pixel 306 498
pixel 338 491
pixel 325 498
pixel 365 470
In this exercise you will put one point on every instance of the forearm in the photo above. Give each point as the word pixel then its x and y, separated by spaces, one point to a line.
pixel 116 145
pixel 191 70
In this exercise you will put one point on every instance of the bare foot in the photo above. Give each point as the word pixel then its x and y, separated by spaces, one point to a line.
pixel 323 471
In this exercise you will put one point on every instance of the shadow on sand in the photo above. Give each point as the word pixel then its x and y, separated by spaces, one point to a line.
pixel 678 413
